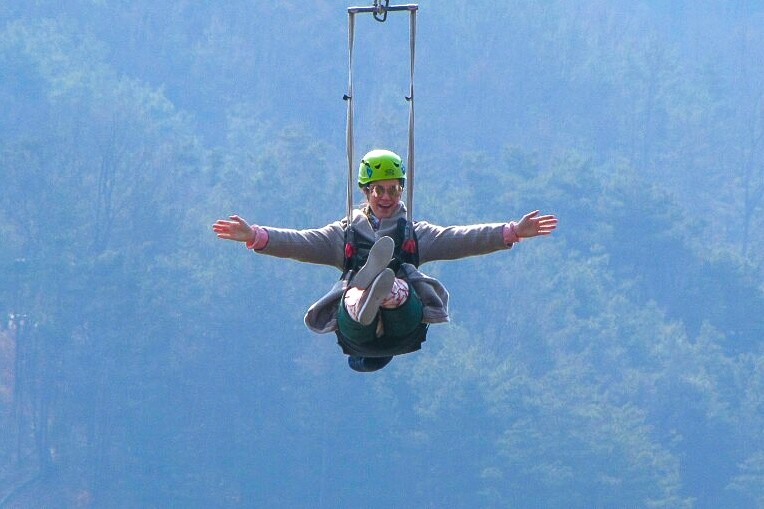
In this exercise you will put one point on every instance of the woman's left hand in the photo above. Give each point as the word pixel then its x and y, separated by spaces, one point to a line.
pixel 532 225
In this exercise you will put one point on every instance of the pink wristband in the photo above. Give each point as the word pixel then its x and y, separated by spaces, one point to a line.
pixel 260 240
pixel 510 234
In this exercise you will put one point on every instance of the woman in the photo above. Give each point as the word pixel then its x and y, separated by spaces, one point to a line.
pixel 383 304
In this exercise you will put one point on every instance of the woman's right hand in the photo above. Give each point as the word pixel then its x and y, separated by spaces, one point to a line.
pixel 235 228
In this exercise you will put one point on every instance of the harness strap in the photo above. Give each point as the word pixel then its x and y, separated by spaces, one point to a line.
pixel 356 251
pixel 349 125
pixel 410 99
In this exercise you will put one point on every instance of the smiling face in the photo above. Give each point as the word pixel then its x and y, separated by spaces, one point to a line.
pixel 383 197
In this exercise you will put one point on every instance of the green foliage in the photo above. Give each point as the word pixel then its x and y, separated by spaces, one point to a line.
pixel 617 363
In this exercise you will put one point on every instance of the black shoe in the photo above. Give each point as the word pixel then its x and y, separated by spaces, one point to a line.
pixel 368 364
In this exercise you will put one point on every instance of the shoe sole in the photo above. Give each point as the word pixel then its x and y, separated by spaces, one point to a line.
pixel 379 258
pixel 379 290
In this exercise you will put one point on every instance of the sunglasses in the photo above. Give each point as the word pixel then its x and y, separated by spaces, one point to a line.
pixel 379 190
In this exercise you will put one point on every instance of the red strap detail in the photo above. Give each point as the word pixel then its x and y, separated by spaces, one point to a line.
pixel 409 246
pixel 350 250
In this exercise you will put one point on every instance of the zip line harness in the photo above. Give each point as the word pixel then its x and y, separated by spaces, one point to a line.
pixel 406 249
pixel 380 10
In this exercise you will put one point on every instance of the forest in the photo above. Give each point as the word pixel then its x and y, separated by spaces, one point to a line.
pixel 616 363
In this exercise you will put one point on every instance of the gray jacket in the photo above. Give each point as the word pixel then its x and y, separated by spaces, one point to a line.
pixel 326 246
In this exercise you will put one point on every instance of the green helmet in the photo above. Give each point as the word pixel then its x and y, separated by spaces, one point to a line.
pixel 380 165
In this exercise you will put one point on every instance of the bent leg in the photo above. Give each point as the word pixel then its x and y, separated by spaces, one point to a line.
pixel 363 305
pixel 350 327
pixel 401 313
pixel 402 321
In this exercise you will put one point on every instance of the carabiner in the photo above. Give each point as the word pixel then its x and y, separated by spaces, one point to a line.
pixel 380 12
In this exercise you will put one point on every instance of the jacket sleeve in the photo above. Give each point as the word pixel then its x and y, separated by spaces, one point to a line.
pixel 453 242
pixel 324 246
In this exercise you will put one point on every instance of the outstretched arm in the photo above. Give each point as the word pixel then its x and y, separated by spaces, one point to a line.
pixel 324 246
pixel 454 242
